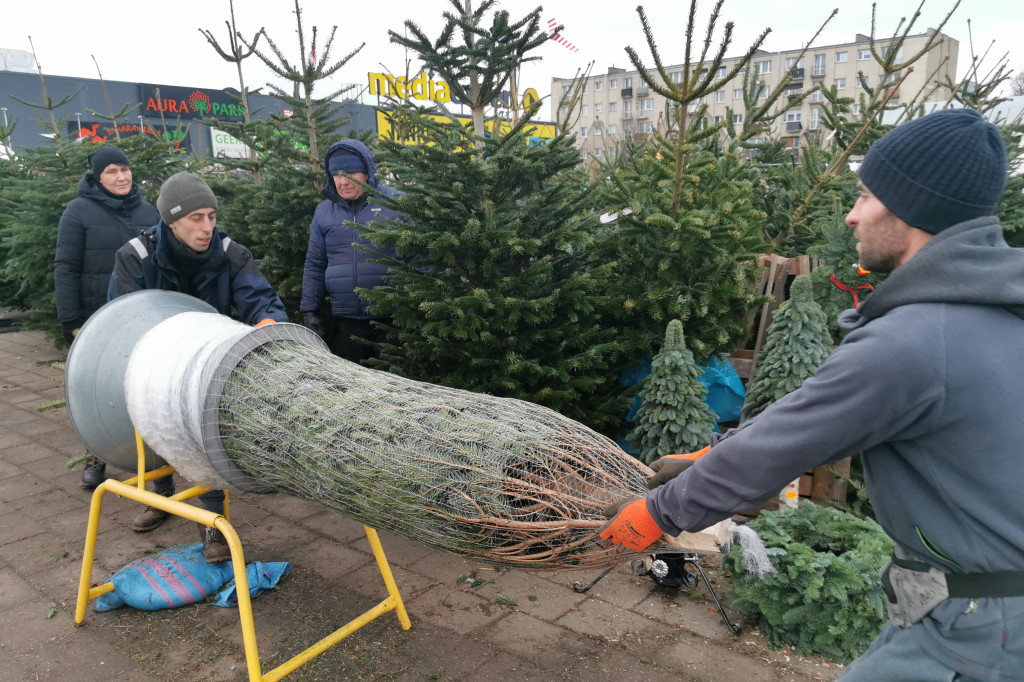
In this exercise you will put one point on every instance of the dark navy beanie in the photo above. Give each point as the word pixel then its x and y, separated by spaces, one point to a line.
pixel 348 162
pixel 102 157
pixel 938 170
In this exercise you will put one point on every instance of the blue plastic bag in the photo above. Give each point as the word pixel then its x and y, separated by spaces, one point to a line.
pixel 180 576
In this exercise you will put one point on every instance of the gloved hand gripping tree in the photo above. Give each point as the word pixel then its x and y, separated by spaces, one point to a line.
pixel 798 342
pixel 673 416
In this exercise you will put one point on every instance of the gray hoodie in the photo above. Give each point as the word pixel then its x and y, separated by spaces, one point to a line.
pixel 928 385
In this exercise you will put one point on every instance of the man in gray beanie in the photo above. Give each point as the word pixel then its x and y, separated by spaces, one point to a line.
pixel 185 252
pixel 927 387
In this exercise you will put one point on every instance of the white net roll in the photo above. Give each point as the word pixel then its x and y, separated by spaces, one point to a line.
pixel 165 387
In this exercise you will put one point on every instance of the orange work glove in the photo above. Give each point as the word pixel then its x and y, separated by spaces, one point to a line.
pixel 631 525
pixel 265 320
pixel 670 466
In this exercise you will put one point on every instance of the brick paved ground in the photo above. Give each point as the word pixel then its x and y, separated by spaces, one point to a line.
pixel 539 629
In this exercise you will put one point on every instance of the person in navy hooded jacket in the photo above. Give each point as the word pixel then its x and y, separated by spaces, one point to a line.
pixel 335 265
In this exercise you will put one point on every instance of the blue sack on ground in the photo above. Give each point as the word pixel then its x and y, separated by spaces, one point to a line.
pixel 175 577
pixel 261 576
pixel 180 576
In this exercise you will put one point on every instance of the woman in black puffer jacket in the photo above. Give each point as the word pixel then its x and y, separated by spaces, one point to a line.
pixel 107 213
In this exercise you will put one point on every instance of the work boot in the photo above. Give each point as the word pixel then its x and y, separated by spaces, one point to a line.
pixel 94 474
pixel 215 546
pixel 151 518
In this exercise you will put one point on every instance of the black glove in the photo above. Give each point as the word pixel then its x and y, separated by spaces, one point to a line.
pixel 670 466
pixel 69 328
pixel 313 323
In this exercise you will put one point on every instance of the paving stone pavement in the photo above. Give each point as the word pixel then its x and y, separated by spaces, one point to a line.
pixel 636 628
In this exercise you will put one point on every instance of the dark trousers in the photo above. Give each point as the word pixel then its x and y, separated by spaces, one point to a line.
pixel 342 344
pixel 211 501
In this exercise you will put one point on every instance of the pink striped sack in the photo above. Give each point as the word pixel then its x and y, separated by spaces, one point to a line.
pixel 175 577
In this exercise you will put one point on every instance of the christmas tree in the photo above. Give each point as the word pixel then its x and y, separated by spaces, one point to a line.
pixel 797 343
pixel 495 290
pixel 673 417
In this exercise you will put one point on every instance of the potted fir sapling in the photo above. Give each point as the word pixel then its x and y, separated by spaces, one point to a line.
pixel 673 417
pixel 798 341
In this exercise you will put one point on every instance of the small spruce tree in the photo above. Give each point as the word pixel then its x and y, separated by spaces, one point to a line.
pixel 673 416
pixel 797 343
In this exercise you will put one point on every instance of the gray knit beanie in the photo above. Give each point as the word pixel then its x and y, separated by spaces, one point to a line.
pixel 938 170
pixel 181 194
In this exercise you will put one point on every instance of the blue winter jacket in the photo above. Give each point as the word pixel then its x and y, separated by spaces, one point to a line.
pixel 229 278
pixel 335 267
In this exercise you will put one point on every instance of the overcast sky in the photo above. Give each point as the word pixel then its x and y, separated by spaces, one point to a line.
pixel 161 43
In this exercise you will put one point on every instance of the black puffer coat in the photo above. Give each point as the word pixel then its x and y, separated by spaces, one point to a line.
pixel 93 227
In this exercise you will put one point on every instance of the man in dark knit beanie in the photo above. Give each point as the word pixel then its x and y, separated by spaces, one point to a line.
pixel 186 252
pixel 926 387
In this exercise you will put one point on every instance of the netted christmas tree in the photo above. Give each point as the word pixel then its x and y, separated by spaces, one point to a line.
pixel 673 416
pixel 797 343
pixel 494 290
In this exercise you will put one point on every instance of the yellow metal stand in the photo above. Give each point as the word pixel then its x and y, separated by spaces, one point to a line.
pixel 135 489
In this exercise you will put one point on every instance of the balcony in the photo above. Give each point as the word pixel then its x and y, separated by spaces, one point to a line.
pixel 892 92
pixel 642 91
pixel 641 114
pixel 627 92
pixel 818 72
pixel 814 124
pixel 793 126
pixel 793 93
pixel 797 73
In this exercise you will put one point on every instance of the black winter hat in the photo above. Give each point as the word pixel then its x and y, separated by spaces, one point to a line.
pixel 938 170
pixel 181 194
pixel 102 157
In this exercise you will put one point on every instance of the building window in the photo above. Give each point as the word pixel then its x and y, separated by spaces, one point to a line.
pixel 563 112
pixel 583 153
pixel 565 91
pixel 612 106
pixel 899 55
pixel 855 110
pixel 891 78
pixel 647 104
pixel 612 129
pixel 598 86
pixel 613 83
pixel 819 65
pixel 815 117
pixel 627 108
pixel 627 82
pixel 586 110
pixel 597 151
pixel 677 77
pixel 816 96
pixel 646 128
pixel 627 130
pixel 841 57
pixel 586 87
pixel 583 133
pixel 719 96
pixel 863 80
pixel 764 67
pixel 792 116
pixel 597 108
pixel 863 54
pixel 597 130
pixel 737 118
pixel 840 83
pixel 792 63
pixel 719 119
pixel 764 92
pixel 721 72
pixel 737 93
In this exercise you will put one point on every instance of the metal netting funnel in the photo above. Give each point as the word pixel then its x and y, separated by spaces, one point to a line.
pixel 96 366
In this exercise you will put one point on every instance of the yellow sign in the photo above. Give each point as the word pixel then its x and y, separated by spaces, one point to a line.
pixel 420 87
pixel 540 132
pixel 530 97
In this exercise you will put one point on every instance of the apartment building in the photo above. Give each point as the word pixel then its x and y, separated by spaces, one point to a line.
pixel 618 105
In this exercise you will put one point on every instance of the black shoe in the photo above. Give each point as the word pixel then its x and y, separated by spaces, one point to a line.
pixel 94 474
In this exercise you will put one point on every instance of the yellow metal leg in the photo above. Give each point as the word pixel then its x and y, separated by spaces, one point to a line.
pixel 134 489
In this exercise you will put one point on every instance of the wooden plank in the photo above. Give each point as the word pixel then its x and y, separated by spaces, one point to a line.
pixel 838 491
pixel 806 483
